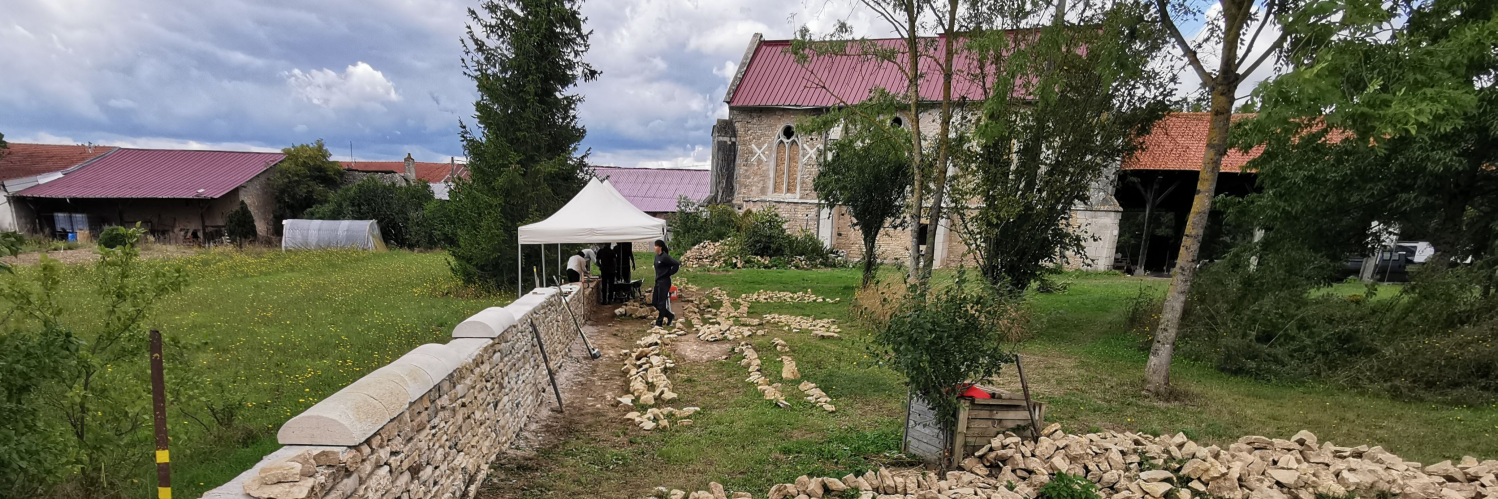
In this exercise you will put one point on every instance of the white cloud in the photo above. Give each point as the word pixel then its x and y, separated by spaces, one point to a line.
pixel 358 85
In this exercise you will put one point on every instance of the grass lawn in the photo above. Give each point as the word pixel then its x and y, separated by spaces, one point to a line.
pixel 271 333
pixel 1081 363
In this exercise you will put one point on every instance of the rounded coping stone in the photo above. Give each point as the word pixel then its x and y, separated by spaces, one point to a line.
pixel 387 388
pixel 418 382
pixel 523 306
pixel 488 323
pixel 438 360
pixel 468 348
pixel 345 418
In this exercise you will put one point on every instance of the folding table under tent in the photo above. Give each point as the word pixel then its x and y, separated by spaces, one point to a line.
pixel 597 214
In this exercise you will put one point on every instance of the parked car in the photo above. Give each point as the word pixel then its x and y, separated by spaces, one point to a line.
pixel 1393 266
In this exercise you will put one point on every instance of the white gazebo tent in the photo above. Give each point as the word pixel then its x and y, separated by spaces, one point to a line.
pixel 597 214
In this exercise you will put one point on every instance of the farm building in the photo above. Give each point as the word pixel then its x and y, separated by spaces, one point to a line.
pixel 440 176
pixel 26 165
pixel 656 191
pixel 177 196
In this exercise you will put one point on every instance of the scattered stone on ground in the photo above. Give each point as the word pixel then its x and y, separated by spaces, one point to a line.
pixel 817 396
pixel 757 377
pixel 788 369
pixel 1138 466
pixel 766 296
pixel 820 328
pixel 645 367
pixel 780 345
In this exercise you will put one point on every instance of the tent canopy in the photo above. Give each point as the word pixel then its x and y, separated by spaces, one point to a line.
pixel 597 214
pixel 300 234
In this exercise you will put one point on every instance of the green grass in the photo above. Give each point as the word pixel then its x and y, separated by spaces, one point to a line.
pixel 1081 363
pixel 272 333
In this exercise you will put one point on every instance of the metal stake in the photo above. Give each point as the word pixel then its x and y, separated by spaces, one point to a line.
pixel 546 361
pixel 158 407
pixel 592 352
pixel 1029 408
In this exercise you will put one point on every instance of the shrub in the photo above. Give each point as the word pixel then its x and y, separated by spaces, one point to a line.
pixel 952 335
pixel 113 237
pixel 240 225
pixel 399 209
pixel 753 239
pixel 694 223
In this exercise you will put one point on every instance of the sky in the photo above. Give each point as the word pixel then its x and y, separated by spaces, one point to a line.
pixel 380 77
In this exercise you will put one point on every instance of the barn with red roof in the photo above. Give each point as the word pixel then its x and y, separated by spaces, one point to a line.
pixel 24 165
pixel 176 195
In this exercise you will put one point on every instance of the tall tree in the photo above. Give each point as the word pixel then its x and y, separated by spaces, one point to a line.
pixel 305 178
pixel 1393 125
pixel 524 56
pixel 1067 102
pixel 915 22
pixel 1232 34
pixel 869 175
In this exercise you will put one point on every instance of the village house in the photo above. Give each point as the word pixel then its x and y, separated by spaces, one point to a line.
pixel 176 196
pixel 439 176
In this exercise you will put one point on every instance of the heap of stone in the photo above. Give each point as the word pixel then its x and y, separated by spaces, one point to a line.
pixel 882 483
pixel 660 418
pixel 780 345
pixel 757 377
pixel 820 328
pixel 706 254
pixel 766 296
pixel 646 368
pixel 637 309
pixel 715 492
pixel 720 331
pixel 299 475
pixel 817 396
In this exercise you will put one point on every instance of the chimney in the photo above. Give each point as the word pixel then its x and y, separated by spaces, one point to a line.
pixel 410 168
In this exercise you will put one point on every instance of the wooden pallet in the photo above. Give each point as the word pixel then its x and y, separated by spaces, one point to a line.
pixel 979 420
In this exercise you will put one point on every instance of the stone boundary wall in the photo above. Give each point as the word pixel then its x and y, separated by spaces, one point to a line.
pixel 428 424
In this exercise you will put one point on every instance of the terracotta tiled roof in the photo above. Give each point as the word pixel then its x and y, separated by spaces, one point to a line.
pixel 1179 141
pixel 158 173
pixel 430 172
pixel 772 77
pixel 656 190
pixel 25 160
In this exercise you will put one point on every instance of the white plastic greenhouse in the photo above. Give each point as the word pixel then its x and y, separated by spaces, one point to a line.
pixel 299 234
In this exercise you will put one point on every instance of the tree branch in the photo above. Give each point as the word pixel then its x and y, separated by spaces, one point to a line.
pixel 1175 34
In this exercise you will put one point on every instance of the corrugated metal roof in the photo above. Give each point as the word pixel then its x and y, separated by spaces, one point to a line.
pixel 27 160
pixel 774 78
pixel 1179 140
pixel 158 173
pixel 656 190
pixel 430 172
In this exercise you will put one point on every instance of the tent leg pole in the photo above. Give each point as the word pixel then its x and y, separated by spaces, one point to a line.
pixel 518 266
pixel 543 261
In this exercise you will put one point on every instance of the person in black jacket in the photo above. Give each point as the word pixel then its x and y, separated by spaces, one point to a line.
pixel 607 266
pixel 660 297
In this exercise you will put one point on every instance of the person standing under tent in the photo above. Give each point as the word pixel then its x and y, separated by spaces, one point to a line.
pixel 607 266
pixel 591 255
pixel 577 267
pixel 626 252
pixel 660 297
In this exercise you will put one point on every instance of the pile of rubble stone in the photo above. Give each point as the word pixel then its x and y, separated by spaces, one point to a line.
pixel 645 367
pixel 820 328
pixel 817 396
pixel 661 418
pixel 757 377
pixel 637 309
pixel 786 297
pixel 1130 465
pixel 706 254
pixel 720 331
pixel 780 345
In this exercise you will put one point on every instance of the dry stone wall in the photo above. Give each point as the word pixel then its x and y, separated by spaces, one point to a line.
pixel 428 424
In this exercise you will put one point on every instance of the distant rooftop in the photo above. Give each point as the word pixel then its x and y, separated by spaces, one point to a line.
pixel 656 190
pixel 21 160
pixel 1179 140
pixel 158 173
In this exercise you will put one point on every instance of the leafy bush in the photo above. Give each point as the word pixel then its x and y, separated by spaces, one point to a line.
pixel 399 209
pixel 113 237
pixel 240 225
pixel 952 335
pixel 308 176
pixel 694 223
pixel 1068 486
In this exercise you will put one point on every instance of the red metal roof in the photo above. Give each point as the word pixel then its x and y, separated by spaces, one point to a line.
pixel 158 173
pixel 27 160
pixel 656 190
pixel 774 78
pixel 1178 142
pixel 430 172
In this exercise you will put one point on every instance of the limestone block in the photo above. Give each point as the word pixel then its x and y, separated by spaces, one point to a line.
pixel 523 306
pixel 437 360
pixel 488 323
pixel 468 348
pixel 385 387
pixel 344 418
pixel 417 381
